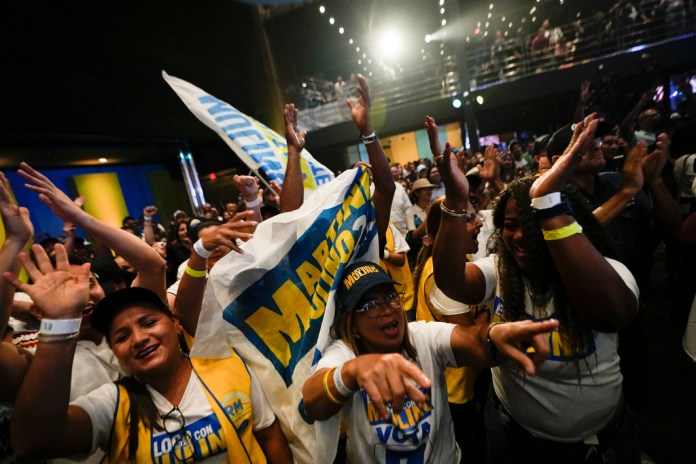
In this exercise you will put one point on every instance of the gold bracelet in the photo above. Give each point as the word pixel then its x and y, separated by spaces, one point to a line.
pixel 196 273
pixel 326 387
pixel 563 232
pixel 451 212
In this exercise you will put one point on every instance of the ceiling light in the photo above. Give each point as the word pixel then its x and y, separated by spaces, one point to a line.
pixel 103 160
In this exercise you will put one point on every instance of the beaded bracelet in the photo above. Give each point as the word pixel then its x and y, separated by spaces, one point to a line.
pixel 562 232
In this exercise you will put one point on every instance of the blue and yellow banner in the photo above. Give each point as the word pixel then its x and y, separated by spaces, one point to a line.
pixel 258 146
pixel 274 303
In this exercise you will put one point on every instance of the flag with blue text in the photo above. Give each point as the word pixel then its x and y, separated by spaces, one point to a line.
pixel 258 146
pixel 274 303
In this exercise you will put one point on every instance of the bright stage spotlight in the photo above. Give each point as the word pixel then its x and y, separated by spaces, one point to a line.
pixel 457 103
pixel 428 38
pixel 479 100
pixel 390 43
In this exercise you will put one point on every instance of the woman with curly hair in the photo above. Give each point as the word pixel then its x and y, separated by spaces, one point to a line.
pixel 549 262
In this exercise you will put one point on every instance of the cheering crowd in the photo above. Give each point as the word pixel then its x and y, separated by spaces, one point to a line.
pixel 488 331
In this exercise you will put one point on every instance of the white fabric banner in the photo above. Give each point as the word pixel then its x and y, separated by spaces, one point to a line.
pixel 274 303
pixel 258 146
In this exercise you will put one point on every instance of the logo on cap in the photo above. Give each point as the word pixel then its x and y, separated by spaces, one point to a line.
pixel 357 273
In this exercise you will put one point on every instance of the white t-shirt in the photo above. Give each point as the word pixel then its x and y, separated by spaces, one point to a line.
pixel 558 403
pixel 200 420
pixel 415 215
pixel 425 432
pixel 400 203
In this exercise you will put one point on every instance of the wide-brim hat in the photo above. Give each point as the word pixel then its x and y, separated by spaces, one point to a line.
pixel 421 183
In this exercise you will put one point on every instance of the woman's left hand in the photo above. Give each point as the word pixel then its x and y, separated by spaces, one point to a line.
pixel 555 179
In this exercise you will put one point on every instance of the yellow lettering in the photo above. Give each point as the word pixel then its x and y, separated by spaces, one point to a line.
pixel 320 253
pixel 345 239
pixel 309 275
pixel 372 414
pixel 268 323
pixel 556 346
pixel 216 443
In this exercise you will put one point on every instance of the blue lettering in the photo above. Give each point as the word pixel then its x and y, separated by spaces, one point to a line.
pixel 384 432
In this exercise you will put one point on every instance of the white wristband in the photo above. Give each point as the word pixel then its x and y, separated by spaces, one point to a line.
pixel 340 386
pixel 147 218
pixel 59 326
pixel 253 203
pixel 200 249
pixel 547 201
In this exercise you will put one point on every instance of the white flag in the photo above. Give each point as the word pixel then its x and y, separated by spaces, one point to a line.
pixel 274 303
pixel 259 147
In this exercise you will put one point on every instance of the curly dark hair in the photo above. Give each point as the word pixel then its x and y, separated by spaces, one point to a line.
pixel 542 279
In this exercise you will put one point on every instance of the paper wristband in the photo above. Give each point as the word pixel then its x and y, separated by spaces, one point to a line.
pixel 563 232
pixel 340 386
pixel 547 201
pixel 59 326
pixel 253 203
pixel 200 249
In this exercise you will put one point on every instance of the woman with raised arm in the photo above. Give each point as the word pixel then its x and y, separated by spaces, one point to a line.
pixel 384 375
pixel 171 408
pixel 548 263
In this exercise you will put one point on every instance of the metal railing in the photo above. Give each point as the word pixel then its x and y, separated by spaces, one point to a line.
pixel 492 62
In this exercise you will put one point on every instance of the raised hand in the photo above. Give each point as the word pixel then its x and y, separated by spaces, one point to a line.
pixel 632 177
pixel 556 177
pixel 60 293
pixel 226 234
pixel 293 138
pixel 18 226
pixel 456 185
pixel 653 163
pixel 248 186
pixel 360 110
pixel 149 211
pixel 492 161
pixel 56 199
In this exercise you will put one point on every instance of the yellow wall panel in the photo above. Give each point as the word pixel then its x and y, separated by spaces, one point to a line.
pixel 104 196
pixel 454 134
pixel 403 148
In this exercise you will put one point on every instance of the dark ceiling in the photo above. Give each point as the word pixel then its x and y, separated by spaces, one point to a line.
pixel 78 75
pixel 81 79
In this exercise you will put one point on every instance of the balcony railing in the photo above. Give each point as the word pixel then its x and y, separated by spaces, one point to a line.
pixel 495 60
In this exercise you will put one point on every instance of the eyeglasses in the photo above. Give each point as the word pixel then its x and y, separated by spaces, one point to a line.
pixel 375 307
pixel 174 424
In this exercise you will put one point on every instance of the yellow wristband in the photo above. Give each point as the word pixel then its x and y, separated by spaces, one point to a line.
pixel 195 273
pixel 563 232
pixel 326 387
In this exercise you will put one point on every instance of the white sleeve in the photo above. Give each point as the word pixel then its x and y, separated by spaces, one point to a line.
pixel 410 223
pixel 626 275
pixel 174 288
pixel 336 354
pixel 100 406
pixel 449 307
pixel 260 407
pixel 438 337
pixel 400 245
